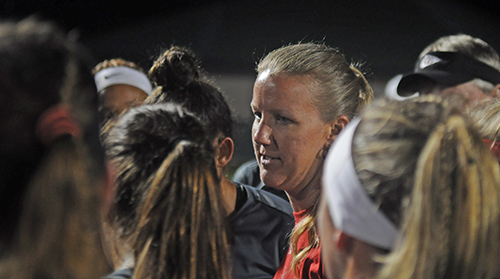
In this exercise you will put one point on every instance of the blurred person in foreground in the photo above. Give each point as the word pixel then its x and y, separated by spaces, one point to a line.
pixel 52 168
pixel 410 191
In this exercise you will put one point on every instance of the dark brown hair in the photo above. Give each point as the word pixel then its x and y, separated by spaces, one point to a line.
pixel 168 199
pixel 180 79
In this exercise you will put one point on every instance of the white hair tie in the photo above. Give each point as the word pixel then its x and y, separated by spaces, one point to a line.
pixel 351 210
pixel 122 75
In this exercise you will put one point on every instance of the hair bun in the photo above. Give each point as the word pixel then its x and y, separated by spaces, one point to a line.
pixel 175 68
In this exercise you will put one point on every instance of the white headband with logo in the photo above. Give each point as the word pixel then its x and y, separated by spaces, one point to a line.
pixel 351 210
pixel 122 75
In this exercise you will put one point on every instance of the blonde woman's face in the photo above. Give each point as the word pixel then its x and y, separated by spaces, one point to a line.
pixel 288 134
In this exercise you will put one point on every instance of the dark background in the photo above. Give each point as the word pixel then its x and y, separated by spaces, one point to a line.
pixel 230 36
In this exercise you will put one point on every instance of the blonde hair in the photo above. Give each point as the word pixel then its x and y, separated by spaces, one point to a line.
pixel 486 118
pixel 429 172
pixel 338 89
pixel 306 226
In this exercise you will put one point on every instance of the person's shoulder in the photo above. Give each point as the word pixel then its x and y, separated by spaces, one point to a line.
pixel 268 199
pixel 126 273
pixel 248 174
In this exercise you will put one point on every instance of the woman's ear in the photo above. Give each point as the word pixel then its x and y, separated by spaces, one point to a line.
pixel 337 126
pixel 495 93
pixel 225 150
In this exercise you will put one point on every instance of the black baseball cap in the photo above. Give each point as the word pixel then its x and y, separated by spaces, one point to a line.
pixel 447 68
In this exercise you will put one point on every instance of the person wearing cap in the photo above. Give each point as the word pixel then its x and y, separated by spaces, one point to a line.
pixel 410 190
pixel 121 85
pixel 458 63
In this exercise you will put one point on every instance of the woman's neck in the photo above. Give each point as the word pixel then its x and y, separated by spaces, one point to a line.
pixel 307 196
pixel 228 195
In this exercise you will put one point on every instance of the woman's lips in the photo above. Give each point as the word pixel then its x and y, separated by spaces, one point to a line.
pixel 266 160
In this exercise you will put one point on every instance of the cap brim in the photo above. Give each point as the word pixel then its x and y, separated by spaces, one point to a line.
pixel 411 83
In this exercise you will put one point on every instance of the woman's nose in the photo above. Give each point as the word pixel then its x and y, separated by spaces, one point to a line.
pixel 261 133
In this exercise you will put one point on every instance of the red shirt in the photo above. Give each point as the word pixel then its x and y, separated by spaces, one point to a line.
pixel 311 266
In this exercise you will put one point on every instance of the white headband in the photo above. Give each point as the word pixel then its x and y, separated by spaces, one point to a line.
pixel 351 210
pixel 122 75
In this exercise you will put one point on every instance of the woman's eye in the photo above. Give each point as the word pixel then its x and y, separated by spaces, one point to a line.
pixel 284 120
pixel 257 115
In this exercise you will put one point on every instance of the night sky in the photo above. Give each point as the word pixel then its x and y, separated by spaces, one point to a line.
pixel 230 36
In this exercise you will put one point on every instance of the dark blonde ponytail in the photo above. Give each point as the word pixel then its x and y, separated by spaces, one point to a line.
pixel 306 226
pixel 361 84
pixel 451 224
pixel 429 172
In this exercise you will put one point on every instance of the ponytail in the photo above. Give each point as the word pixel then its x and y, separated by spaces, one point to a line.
pixel 307 225
pixel 52 162
pixel 450 229
pixel 180 218
pixel 59 231
pixel 365 90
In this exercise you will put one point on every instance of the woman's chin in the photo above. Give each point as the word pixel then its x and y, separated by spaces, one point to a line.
pixel 273 181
